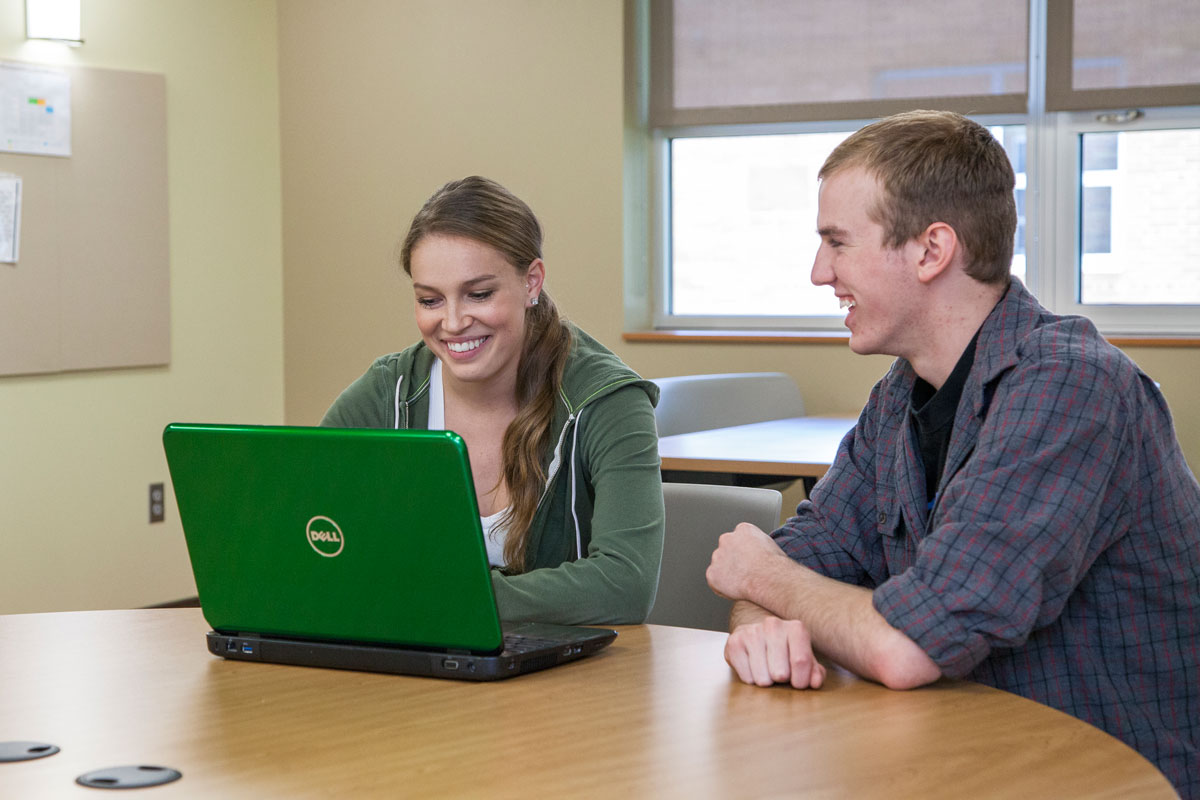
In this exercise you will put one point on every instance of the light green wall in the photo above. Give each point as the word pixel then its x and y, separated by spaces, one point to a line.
pixel 78 450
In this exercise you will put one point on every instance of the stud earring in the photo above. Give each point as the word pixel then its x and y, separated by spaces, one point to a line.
pixel 534 301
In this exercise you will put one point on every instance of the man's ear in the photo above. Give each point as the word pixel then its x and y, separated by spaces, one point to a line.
pixel 937 248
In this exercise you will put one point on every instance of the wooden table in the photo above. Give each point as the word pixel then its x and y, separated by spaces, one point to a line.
pixel 796 447
pixel 656 715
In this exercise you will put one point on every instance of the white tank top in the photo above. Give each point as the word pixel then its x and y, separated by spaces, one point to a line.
pixel 494 534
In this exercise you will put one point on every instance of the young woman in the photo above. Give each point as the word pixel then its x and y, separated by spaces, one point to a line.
pixel 560 432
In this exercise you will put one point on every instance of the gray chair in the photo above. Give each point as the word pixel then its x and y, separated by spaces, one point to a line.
pixel 690 403
pixel 697 514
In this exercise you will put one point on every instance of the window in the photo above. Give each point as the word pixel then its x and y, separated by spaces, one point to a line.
pixel 1140 218
pixel 1096 102
pixel 746 204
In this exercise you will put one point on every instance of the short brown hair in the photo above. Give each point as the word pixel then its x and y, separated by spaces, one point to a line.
pixel 937 166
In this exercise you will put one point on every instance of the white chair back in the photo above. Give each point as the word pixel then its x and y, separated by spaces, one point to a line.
pixel 702 402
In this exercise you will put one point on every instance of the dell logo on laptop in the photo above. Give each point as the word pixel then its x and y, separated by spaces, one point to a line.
pixel 324 536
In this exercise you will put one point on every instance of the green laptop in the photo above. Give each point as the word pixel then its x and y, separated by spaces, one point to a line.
pixel 349 548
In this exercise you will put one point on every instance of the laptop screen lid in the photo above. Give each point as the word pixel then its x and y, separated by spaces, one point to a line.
pixel 349 535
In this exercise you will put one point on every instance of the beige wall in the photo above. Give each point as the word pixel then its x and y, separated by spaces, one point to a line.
pixel 382 103
pixel 78 450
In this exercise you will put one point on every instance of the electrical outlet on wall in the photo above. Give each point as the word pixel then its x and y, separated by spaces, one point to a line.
pixel 157 502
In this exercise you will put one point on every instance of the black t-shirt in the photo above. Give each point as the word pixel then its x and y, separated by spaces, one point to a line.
pixel 932 414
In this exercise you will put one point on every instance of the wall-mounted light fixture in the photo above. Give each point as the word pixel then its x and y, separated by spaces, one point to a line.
pixel 56 20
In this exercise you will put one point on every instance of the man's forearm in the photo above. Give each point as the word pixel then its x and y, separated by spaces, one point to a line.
pixel 842 622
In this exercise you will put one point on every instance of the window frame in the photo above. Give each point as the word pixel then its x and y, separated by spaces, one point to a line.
pixel 1059 288
pixel 1052 207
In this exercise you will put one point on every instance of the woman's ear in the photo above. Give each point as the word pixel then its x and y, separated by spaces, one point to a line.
pixel 535 276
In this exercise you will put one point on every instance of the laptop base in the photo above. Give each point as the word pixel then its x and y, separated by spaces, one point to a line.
pixel 529 647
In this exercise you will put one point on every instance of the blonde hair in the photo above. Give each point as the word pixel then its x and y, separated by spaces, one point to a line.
pixel 484 211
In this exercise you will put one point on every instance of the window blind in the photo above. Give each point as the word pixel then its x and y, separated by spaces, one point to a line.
pixel 755 61
pixel 1105 54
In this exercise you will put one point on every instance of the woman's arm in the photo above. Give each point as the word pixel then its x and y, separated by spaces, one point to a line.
pixel 364 403
pixel 616 581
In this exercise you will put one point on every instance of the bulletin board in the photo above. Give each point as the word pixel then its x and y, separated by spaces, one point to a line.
pixel 90 289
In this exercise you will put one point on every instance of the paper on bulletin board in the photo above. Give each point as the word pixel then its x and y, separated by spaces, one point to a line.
pixel 37 110
pixel 10 218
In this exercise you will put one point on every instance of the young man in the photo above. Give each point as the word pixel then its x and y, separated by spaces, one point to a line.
pixel 1012 506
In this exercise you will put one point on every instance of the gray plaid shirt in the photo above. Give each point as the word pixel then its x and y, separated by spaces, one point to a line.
pixel 1060 559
